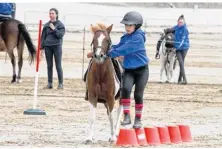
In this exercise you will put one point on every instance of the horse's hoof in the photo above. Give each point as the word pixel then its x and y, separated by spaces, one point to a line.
pixel 113 139
pixel 19 81
pixel 168 82
pixel 88 141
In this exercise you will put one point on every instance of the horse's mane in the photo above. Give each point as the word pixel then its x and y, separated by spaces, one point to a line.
pixel 98 26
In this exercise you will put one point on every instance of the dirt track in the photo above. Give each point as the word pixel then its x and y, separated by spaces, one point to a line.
pixel 199 106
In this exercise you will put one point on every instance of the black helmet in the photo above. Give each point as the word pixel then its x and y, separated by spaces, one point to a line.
pixel 132 18
pixel 181 17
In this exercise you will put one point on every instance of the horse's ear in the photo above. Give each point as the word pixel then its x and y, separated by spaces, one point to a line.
pixel 109 29
pixel 92 28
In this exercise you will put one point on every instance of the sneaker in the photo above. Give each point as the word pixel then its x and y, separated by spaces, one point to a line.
pixel 127 119
pixel 137 123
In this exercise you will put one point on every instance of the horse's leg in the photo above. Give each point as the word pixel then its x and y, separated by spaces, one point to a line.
pixel 162 65
pixel 110 106
pixel 12 57
pixel 119 114
pixel 92 118
pixel 20 49
pixel 168 72
pixel 171 67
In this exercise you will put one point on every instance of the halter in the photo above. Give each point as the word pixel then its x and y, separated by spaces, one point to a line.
pixel 93 48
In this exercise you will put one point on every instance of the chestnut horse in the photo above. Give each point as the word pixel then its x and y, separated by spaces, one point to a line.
pixel 100 80
pixel 13 33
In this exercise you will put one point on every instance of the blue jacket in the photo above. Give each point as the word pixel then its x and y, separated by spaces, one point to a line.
pixel 6 8
pixel 181 37
pixel 132 47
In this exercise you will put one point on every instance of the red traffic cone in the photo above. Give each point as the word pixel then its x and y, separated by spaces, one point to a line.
pixel 185 133
pixel 141 137
pixel 152 135
pixel 175 136
pixel 164 135
pixel 127 137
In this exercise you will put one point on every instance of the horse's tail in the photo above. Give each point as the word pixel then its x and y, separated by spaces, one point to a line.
pixel 28 40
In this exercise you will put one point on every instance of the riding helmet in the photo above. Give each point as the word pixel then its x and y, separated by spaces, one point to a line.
pixel 133 18
pixel 181 17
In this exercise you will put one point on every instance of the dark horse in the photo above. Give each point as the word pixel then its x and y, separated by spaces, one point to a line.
pixel 13 33
pixel 101 80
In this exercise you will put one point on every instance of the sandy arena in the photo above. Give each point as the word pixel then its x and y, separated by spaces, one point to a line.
pixel 197 104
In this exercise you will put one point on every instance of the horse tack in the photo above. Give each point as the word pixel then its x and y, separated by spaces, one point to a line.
pixel 168 50
pixel 93 49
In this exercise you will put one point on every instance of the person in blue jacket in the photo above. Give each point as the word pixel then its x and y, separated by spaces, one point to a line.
pixel 182 45
pixel 135 64
pixel 5 11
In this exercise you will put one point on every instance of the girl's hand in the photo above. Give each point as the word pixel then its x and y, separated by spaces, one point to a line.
pixel 120 58
pixel 51 26
pixel 90 54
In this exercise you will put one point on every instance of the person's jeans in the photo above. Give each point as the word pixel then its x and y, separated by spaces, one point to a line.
pixel 181 54
pixel 57 52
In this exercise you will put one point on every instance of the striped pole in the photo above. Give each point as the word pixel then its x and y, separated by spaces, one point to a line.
pixel 35 111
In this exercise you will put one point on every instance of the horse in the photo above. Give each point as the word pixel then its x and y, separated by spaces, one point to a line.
pixel 167 57
pixel 13 33
pixel 101 81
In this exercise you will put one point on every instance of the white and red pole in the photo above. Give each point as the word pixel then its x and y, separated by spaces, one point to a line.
pixel 35 111
pixel 37 66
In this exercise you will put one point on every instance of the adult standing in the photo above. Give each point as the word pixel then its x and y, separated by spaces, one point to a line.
pixel 51 42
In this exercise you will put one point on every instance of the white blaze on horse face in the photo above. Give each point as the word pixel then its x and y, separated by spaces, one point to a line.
pixel 100 41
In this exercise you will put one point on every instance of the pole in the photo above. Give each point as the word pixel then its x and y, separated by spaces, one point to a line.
pixel 83 53
pixel 37 66
pixel 35 111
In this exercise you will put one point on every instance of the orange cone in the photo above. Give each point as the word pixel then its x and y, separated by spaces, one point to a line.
pixel 185 133
pixel 175 136
pixel 164 135
pixel 141 137
pixel 152 135
pixel 127 137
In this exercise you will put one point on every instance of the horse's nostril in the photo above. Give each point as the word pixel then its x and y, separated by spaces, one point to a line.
pixel 102 55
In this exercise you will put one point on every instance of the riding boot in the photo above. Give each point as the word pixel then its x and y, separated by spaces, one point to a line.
pixel 127 119
pixel 49 86
pixel 60 86
pixel 137 122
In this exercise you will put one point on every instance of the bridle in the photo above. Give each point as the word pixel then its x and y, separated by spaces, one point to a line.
pixel 105 56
